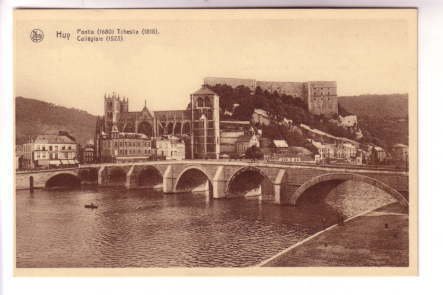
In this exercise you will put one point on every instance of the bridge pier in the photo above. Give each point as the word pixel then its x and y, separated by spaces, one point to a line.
pixel 278 182
pixel 130 183
pixel 100 175
pixel 168 180
pixel 277 194
pixel 219 184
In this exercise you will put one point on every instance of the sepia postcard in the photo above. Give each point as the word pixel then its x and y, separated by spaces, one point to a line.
pixel 215 142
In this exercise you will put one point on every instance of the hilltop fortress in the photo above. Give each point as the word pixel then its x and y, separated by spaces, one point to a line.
pixel 319 96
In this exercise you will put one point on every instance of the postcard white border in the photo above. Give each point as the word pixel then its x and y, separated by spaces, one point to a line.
pixel 430 48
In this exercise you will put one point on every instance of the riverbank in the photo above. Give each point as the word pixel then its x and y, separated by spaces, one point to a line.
pixel 377 238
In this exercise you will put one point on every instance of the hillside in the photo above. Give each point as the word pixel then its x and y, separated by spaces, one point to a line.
pixel 383 118
pixel 376 106
pixel 36 117
pixel 241 102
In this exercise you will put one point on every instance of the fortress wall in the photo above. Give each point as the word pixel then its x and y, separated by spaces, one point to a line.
pixel 320 96
pixel 289 88
pixel 233 82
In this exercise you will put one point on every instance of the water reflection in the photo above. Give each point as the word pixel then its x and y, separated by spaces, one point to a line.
pixel 141 228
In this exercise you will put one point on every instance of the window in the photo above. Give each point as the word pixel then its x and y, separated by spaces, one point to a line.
pixel 207 102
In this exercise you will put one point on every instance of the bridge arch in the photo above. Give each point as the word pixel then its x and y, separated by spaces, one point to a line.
pixel 250 181
pixel 116 176
pixel 194 179
pixel 63 180
pixel 149 176
pixel 336 178
pixel 88 174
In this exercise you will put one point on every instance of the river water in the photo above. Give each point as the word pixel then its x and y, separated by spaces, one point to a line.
pixel 146 228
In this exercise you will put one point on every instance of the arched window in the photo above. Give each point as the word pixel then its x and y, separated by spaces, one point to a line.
pixel 207 102
pixel 186 128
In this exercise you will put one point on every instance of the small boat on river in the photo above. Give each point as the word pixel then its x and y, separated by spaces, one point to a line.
pixel 91 206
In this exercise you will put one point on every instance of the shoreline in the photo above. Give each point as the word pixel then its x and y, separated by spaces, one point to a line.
pixel 278 259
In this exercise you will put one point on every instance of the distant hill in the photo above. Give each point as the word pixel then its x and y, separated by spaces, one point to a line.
pixel 383 118
pixel 376 106
pixel 35 117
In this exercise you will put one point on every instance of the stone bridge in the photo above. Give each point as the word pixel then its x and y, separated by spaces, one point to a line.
pixel 280 183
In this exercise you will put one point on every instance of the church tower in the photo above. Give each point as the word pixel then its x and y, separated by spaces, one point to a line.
pixel 112 109
pixel 205 127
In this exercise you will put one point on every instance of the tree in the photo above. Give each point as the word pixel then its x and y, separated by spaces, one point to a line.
pixel 254 152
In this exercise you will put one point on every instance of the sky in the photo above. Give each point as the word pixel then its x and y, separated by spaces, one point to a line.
pixel 365 52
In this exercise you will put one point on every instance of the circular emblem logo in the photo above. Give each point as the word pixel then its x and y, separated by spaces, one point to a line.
pixel 37 35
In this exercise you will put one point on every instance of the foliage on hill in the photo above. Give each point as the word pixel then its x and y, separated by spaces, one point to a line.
pixel 254 153
pixel 376 106
pixel 382 118
pixel 384 132
pixel 35 117
pixel 279 107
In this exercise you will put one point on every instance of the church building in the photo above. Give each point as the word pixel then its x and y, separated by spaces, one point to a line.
pixel 121 133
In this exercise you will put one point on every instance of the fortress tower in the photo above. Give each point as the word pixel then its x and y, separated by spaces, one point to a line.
pixel 322 98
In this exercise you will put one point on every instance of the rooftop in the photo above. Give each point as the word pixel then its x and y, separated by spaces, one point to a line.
pixel 400 145
pixel 280 143
pixel 53 138
pixel 261 112
pixel 204 90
